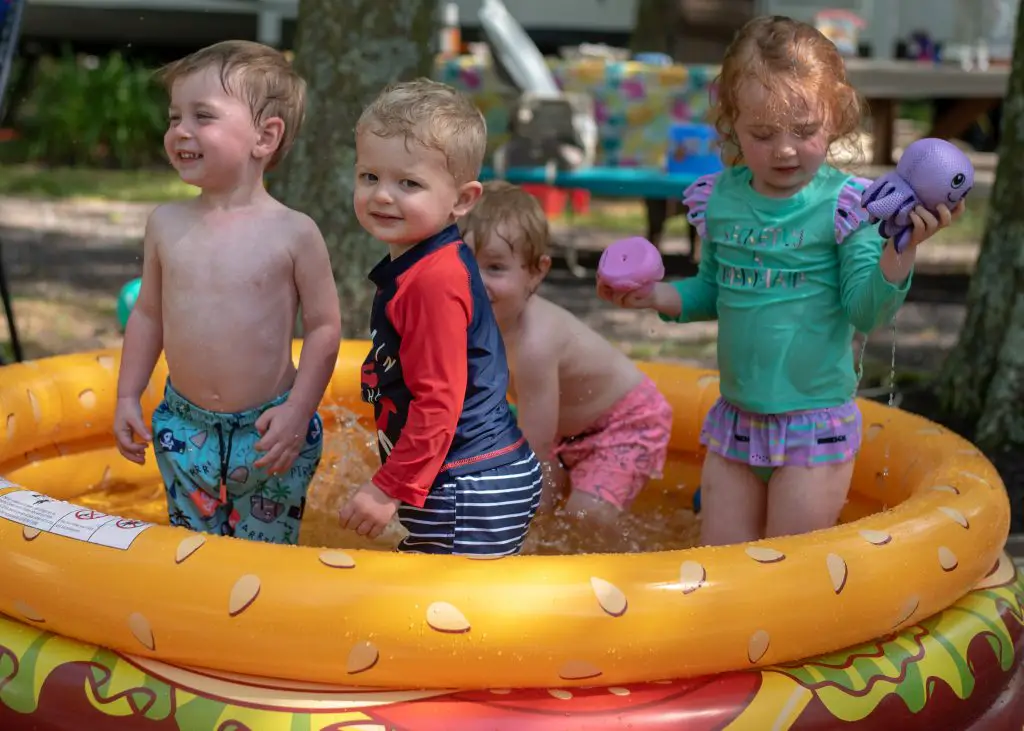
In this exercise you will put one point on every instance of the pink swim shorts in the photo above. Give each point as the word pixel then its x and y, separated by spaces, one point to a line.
pixel 614 458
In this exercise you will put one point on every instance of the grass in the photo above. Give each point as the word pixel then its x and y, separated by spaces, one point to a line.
pixel 138 186
pixel 620 215
pixel 159 185
pixel 971 226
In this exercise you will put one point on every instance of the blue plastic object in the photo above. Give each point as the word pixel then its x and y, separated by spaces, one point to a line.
pixel 696 501
pixel 126 301
pixel 693 149
pixel 653 59
pixel 606 182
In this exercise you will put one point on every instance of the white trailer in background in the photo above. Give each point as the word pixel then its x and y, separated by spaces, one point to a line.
pixel 195 21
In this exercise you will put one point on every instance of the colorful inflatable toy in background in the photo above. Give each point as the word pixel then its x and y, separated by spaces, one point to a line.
pixel 126 301
pixel 114 622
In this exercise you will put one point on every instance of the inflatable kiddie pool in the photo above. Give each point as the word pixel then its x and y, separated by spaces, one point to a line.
pixel 904 618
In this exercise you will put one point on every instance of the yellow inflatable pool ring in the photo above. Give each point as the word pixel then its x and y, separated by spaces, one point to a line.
pixel 383 620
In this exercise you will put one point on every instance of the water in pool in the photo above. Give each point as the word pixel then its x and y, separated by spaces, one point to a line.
pixel 660 518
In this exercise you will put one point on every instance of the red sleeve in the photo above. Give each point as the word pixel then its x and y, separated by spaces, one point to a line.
pixel 431 314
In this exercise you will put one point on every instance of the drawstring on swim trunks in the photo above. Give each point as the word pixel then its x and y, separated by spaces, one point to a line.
pixel 225 457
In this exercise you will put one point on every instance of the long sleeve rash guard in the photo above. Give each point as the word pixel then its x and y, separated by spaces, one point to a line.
pixel 437 373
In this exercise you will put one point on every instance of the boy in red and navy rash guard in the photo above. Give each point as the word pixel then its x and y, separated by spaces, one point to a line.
pixel 436 372
pixel 454 464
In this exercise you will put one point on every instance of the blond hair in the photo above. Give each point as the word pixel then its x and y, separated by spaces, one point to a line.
pixel 504 203
pixel 258 75
pixel 435 116
pixel 787 56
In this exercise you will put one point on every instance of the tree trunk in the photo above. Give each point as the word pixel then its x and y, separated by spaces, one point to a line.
pixel 348 50
pixel 981 387
pixel 653 26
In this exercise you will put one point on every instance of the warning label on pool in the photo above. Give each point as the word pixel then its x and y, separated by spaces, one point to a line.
pixel 71 521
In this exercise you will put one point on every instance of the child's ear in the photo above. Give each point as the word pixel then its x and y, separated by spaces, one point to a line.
pixel 538 272
pixel 271 132
pixel 469 194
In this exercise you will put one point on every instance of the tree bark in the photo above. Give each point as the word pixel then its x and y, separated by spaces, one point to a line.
pixel 981 387
pixel 348 50
pixel 652 30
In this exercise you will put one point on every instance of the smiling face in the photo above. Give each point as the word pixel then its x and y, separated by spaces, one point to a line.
pixel 783 138
pixel 958 187
pixel 404 192
pixel 957 184
pixel 211 139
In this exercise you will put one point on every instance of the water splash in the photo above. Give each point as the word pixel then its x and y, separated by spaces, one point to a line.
pixel 656 522
pixel 659 520
pixel 892 364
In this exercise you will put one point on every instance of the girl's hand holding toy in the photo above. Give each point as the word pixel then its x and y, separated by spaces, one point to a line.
pixel 628 271
pixel 931 173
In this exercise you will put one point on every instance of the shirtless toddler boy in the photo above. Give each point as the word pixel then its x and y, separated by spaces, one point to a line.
pixel 455 465
pixel 584 406
pixel 224 274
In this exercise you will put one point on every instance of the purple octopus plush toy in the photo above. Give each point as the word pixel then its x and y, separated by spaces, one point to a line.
pixel 931 171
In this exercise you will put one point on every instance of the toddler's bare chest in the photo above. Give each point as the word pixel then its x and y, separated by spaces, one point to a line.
pixel 239 264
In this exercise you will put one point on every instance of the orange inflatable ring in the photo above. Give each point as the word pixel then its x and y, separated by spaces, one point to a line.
pixel 160 597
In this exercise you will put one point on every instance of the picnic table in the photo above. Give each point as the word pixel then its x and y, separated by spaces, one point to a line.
pixel 607 182
pixel 886 83
pixel 655 186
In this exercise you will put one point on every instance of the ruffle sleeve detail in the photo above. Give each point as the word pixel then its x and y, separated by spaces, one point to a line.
pixel 850 214
pixel 695 198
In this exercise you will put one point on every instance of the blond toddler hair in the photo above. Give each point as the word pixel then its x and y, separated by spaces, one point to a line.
pixel 435 116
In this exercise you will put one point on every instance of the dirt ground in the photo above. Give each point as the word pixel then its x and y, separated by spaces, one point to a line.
pixel 67 260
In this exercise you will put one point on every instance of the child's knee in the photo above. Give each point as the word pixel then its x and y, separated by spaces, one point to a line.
pixel 591 508
pixel 606 487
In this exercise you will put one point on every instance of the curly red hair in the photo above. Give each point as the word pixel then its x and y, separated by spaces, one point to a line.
pixel 787 56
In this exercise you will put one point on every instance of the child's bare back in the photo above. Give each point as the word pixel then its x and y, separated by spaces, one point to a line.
pixel 229 298
pixel 596 420
pixel 590 374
